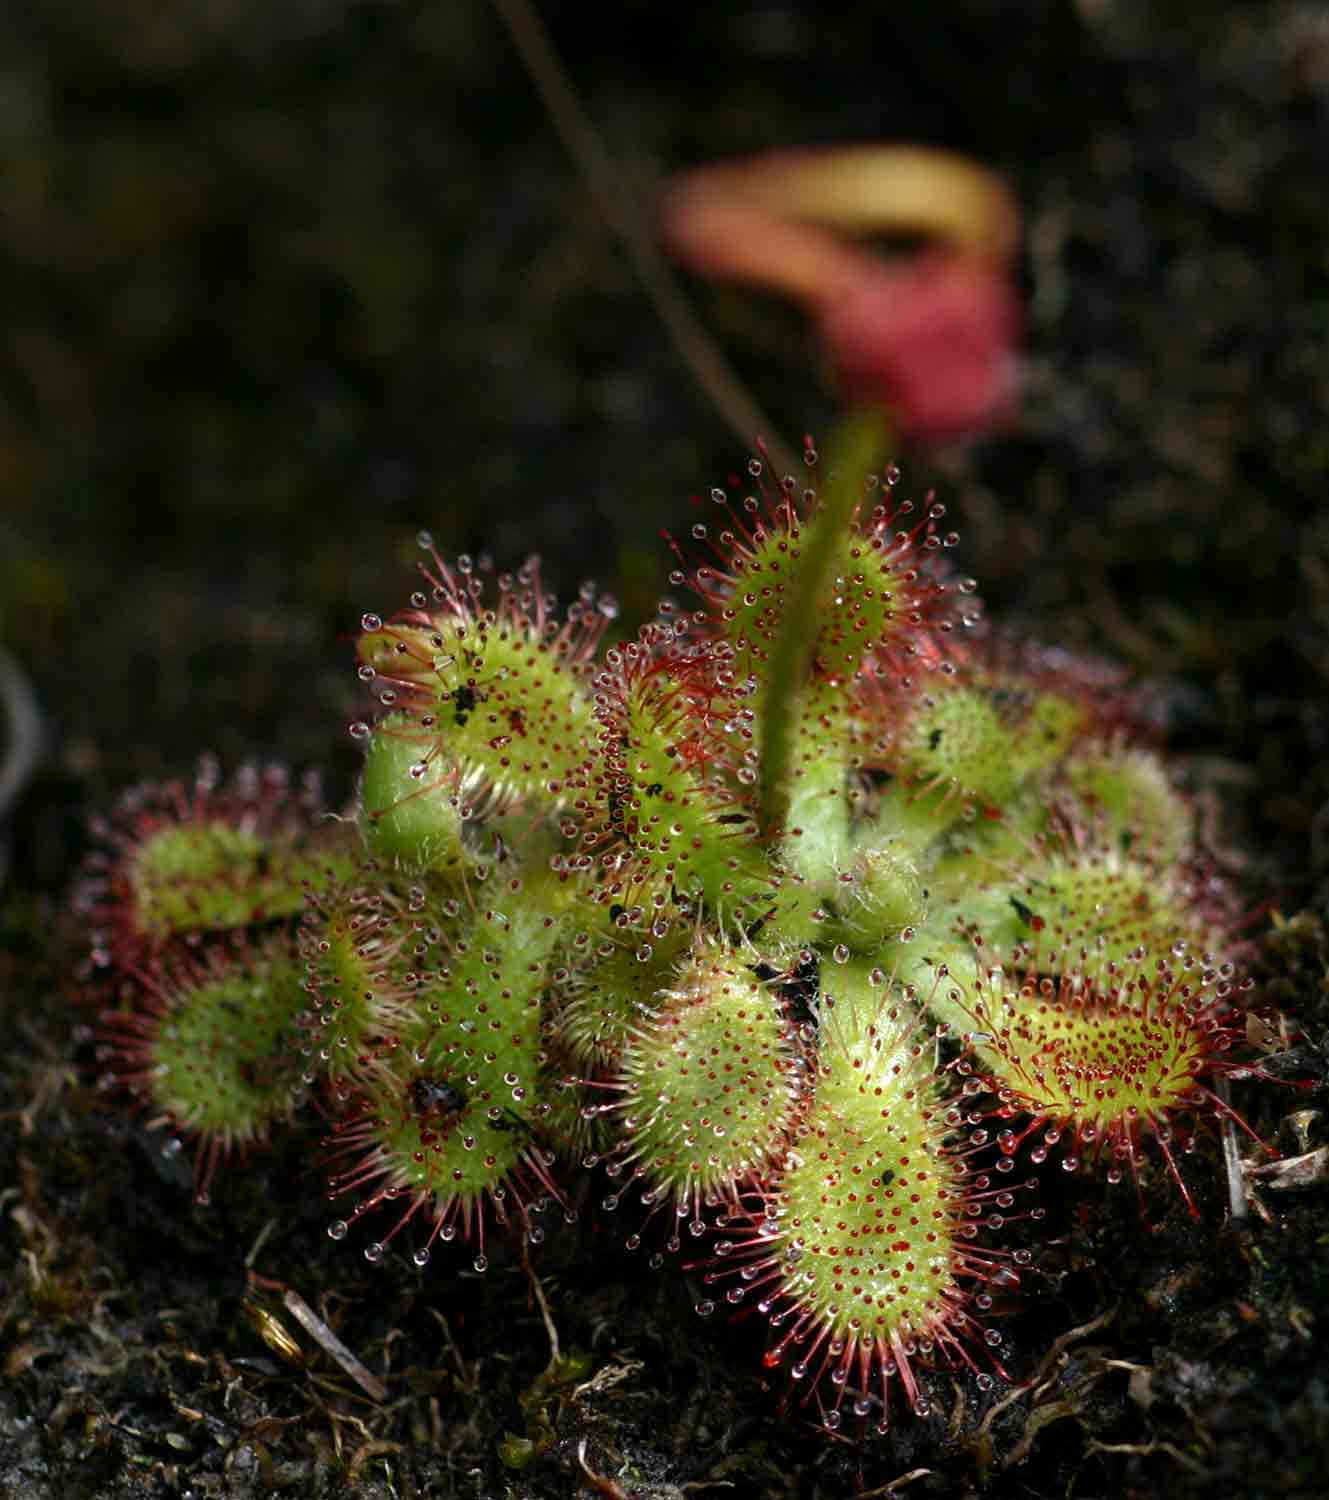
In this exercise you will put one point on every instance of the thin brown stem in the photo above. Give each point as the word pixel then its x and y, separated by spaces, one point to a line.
pixel 717 378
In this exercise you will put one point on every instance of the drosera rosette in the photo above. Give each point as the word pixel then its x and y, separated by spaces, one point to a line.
pixel 208 1046
pixel 864 1244
pixel 447 1121
pixel 704 1092
pixel 179 859
pixel 804 917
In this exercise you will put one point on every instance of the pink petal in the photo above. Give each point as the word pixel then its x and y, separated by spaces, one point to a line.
pixel 933 341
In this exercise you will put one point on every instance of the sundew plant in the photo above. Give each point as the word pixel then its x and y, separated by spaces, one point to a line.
pixel 809 923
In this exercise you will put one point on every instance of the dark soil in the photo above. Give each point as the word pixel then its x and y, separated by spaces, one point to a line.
pixel 289 281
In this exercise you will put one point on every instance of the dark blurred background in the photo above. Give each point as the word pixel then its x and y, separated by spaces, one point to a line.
pixel 285 282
